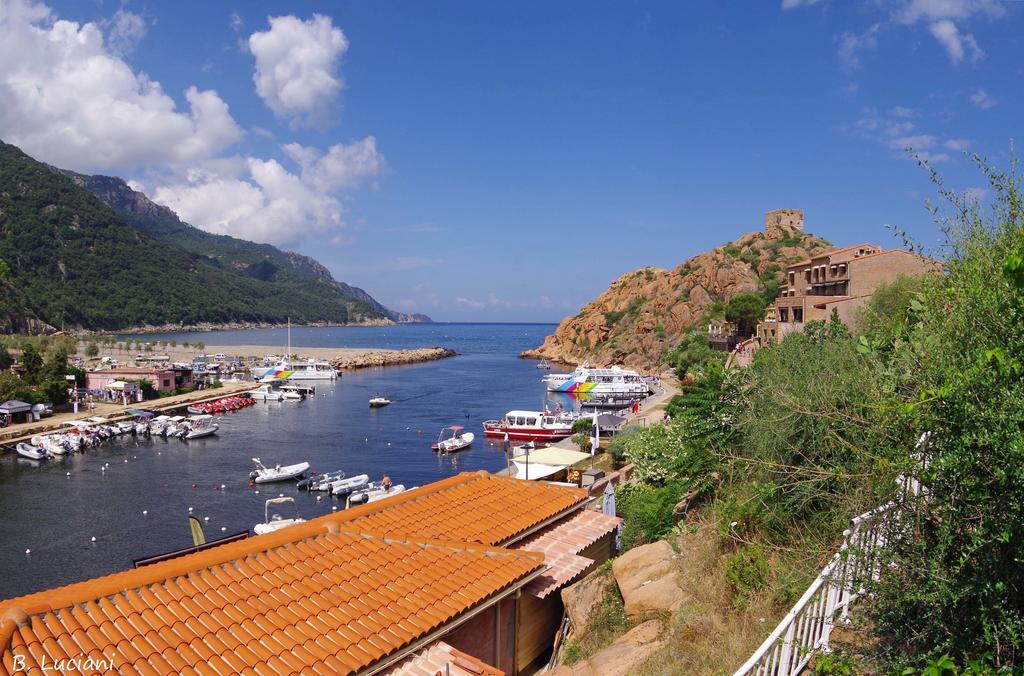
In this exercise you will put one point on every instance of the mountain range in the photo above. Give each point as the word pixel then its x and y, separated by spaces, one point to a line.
pixel 88 252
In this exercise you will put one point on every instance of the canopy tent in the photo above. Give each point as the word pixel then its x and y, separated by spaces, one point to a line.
pixel 552 455
pixel 610 421
pixel 116 385
pixel 14 406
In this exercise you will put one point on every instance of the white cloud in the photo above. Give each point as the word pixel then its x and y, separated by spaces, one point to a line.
pixel 957 144
pixel 68 99
pixel 297 67
pixel 894 130
pixel 235 21
pixel 981 99
pixel 935 10
pixel 957 44
pixel 852 44
pixel 976 195
pixel 343 166
pixel 126 31
pixel 794 4
pixel 260 200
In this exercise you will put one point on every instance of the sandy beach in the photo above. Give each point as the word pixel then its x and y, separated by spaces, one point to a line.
pixel 183 354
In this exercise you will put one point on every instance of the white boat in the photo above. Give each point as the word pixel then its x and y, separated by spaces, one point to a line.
pixel 378 400
pixel 311 369
pixel 530 425
pixel 263 475
pixel 199 426
pixel 31 452
pixel 292 393
pixel 455 442
pixel 374 494
pixel 125 427
pixel 266 393
pixel 275 522
pixel 320 482
pixel 587 380
pixel 346 486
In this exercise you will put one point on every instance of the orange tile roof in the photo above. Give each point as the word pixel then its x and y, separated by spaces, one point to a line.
pixel 441 658
pixel 472 507
pixel 561 545
pixel 336 593
pixel 330 601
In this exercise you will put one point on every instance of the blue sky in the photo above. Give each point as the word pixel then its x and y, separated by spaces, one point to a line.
pixel 506 161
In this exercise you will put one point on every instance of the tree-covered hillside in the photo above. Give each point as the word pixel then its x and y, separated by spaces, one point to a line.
pixel 75 263
pixel 261 261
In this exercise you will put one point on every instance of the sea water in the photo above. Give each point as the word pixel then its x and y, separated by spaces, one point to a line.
pixel 56 516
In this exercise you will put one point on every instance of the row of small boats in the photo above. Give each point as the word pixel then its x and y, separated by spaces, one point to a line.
pixel 224 405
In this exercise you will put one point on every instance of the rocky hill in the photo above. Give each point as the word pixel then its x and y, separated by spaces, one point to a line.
pixel 644 313
pixel 261 261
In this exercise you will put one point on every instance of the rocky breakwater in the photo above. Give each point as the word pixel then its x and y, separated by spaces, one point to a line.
pixel 392 358
pixel 645 313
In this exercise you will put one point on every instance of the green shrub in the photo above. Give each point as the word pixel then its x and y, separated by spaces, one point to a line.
pixel 617 446
pixel 747 569
pixel 646 511
pixel 732 251
pixel 583 425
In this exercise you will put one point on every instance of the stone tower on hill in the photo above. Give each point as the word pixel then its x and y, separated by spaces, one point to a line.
pixel 782 222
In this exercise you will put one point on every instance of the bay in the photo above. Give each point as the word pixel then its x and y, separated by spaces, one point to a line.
pixel 109 487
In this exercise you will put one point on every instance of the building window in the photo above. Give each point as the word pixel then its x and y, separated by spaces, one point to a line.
pixel 798 314
pixel 783 314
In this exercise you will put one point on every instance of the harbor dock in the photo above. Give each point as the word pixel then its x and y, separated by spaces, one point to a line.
pixel 12 434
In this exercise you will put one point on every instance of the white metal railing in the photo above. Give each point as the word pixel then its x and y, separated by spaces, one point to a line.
pixel 807 627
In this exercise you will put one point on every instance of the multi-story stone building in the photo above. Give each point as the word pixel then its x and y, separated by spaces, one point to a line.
pixel 843 279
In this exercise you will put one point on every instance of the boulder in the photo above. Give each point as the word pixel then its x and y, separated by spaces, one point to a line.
pixel 622 656
pixel 646 576
pixel 581 598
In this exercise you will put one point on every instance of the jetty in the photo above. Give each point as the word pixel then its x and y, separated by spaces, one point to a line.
pixel 12 434
pixel 391 358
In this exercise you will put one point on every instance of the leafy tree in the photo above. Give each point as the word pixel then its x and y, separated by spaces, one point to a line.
pixel 92 350
pixel 5 358
pixel 745 310
pixel 954 580
pixel 31 361
pixel 200 345
pixel 692 354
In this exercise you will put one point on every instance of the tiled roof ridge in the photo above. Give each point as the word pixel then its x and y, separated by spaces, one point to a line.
pixel 82 592
pixel 14 614
pixel 213 556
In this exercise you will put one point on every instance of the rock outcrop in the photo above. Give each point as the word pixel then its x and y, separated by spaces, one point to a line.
pixel 392 358
pixel 646 577
pixel 583 597
pixel 644 313
pixel 622 656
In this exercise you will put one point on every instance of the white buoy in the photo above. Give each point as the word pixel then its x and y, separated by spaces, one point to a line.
pixel 28 551
pixel 126 459
pixel 257 492
pixel 389 443
pixel 190 510
pixel 366 438
pixel 145 512
pixel 280 495
pixel 223 528
pixel 94 538
pixel 206 518
pixel 69 473
pixel 318 498
pixel 334 508
pixel 222 486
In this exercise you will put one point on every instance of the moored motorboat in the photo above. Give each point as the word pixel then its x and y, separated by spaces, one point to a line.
pixel 346 486
pixel 266 393
pixel 374 494
pixel 292 393
pixel 31 452
pixel 530 425
pixel 587 380
pixel 199 426
pixel 275 522
pixel 379 400
pixel 313 482
pixel 262 474
pixel 454 442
